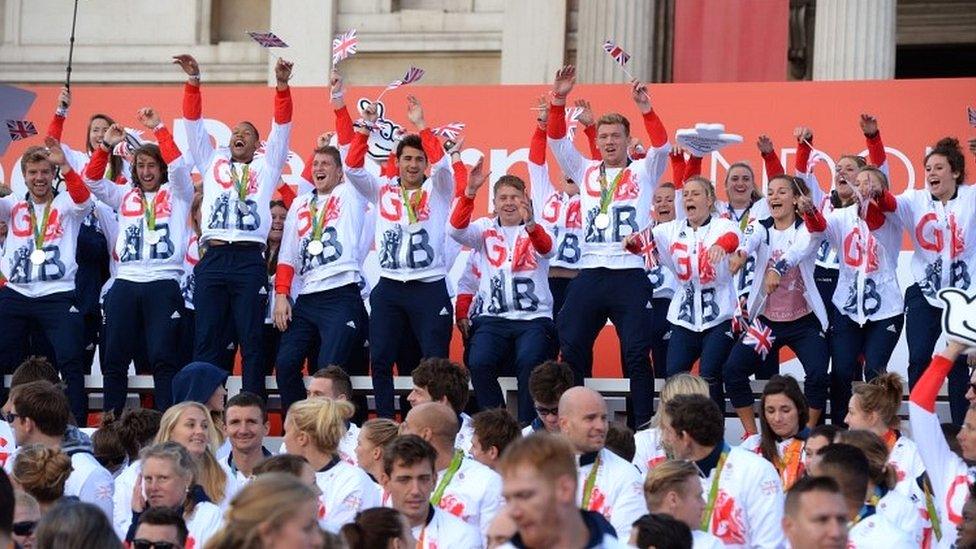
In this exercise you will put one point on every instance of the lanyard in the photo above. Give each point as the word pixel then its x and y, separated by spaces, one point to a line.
pixel 791 466
pixel 411 201
pixel 869 507
pixel 149 210
pixel 40 230
pixel 742 221
pixel 930 507
pixel 713 491
pixel 318 221
pixel 890 438
pixel 241 183
pixel 607 191
pixel 590 484
pixel 435 498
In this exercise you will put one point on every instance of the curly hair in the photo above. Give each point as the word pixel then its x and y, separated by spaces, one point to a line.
pixel 42 472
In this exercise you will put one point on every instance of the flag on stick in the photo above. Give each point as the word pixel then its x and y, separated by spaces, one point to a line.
pixel 449 131
pixel 413 74
pixel 267 39
pixel 972 116
pixel 344 46
pixel 760 337
pixel 619 56
pixel 20 129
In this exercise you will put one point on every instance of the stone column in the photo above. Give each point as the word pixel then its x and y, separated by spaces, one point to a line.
pixel 629 23
pixel 533 40
pixel 309 38
pixel 854 40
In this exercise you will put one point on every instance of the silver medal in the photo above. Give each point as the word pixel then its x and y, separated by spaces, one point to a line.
pixel 243 208
pixel 413 227
pixel 602 221
pixel 152 237
pixel 37 257
pixel 315 247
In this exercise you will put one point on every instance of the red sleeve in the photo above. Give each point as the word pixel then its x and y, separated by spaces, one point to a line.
pixel 874 217
pixel 167 145
pixel 677 169
pixel 537 147
pixel 541 240
pixel 432 146
pixel 56 127
pixel 284 274
pixel 356 157
pixel 282 106
pixel 803 151
pixel 773 166
pixel 927 388
pixel 287 194
pixel 96 166
pixel 876 150
pixel 655 129
pixel 343 126
pixel 307 172
pixel 888 202
pixel 462 306
pixel 461 216
pixel 461 178
pixel 389 168
pixel 556 125
pixel 815 222
pixel 76 187
pixel 590 132
pixel 728 242
pixel 693 167
pixel 192 102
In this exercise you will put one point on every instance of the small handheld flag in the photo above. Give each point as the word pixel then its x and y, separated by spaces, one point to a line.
pixel 413 74
pixel 760 337
pixel 449 131
pixel 20 129
pixel 972 116
pixel 344 46
pixel 572 120
pixel 619 56
pixel 268 40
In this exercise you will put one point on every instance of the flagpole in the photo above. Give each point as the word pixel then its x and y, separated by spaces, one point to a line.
pixel 71 46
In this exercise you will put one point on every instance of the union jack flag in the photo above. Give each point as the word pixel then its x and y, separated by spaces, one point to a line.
pixel 972 116
pixel 20 129
pixel 572 119
pixel 413 74
pixel 760 337
pixel 616 52
pixel 449 131
pixel 267 39
pixel 344 46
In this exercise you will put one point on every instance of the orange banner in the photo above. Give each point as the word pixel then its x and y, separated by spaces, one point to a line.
pixel 913 115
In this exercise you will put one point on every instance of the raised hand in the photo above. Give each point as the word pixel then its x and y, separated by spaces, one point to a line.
pixel 282 312
pixel 148 117
pixel 55 153
pixel 803 133
pixel 765 145
pixel 188 64
pixel 283 71
pixel 563 84
pixel 138 500
pixel 64 98
pixel 869 124
pixel 324 140
pixel 476 178
pixel 336 84
pixel 805 205
pixel 525 210
pixel 113 136
pixel 640 96
pixel 542 111
pixel 586 115
pixel 415 112
pixel 455 148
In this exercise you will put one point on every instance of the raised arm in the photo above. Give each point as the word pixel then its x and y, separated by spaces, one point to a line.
pixel 94 176
pixel 461 228
pixel 541 185
pixel 276 149
pixel 569 159
pixel 656 160
pixel 872 135
pixel 177 165
pixel 367 184
pixel 440 164
pixel 56 127
pixel 589 127
pixel 76 187
pixel 773 166
pixel 197 138
pixel 804 170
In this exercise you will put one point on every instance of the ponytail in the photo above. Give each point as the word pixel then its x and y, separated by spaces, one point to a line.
pixel 882 395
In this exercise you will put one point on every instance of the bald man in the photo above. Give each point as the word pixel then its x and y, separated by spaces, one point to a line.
pixel 465 488
pixel 607 483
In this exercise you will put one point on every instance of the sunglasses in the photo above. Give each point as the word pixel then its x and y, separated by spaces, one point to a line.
pixel 9 417
pixel 25 528
pixel 543 411
pixel 146 544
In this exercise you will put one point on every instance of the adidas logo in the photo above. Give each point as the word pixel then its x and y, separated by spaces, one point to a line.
pixel 891 328
pixel 444 312
pixel 729 334
pixel 351 324
pixel 264 291
pixel 648 306
pixel 73 309
pixel 667 335
pixel 175 315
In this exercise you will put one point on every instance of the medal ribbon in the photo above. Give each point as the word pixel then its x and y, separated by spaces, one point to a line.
pixel 930 507
pixel 318 220
pixel 40 230
pixel 713 491
pixel 790 466
pixel 148 211
pixel 590 484
pixel 241 183
pixel 607 191
pixel 890 438
pixel 435 498
pixel 411 201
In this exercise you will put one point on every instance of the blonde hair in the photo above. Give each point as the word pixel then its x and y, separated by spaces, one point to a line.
pixel 211 475
pixel 271 498
pixel 678 384
pixel 380 430
pixel 667 477
pixel 42 472
pixel 755 194
pixel 182 462
pixel 550 455
pixel 707 185
pixel 323 420
pixel 874 448
pixel 882 395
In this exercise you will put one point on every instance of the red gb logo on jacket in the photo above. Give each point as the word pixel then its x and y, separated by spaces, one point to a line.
pixel 524 259
pixel 453 506
pixel 928 233
pixel 333 209
pixel 21 224
pixel 706 271
pixel 391 203
pixel 574 219
pixel 855 248
pixel 552 208
pixel 627 188
pixel 598 503
pixel 727 520
pixel 132 205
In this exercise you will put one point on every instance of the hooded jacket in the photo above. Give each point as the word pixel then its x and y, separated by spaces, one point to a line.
pixel 197 382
